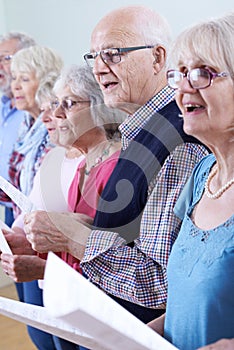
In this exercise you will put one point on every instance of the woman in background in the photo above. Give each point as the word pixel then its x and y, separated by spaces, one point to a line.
pixel 85 124
pixel 33 69
pixel 200 304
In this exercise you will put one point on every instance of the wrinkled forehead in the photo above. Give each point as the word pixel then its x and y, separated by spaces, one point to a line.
pixel 109 34
pixel 8 46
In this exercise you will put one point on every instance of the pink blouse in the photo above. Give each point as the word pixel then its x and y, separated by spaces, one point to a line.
pixel 87 201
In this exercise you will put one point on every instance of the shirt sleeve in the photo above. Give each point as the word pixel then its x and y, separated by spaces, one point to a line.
pixel 138 273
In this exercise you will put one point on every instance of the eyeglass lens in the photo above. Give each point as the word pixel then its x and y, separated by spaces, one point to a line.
pixel 108 55
pixel 198 78
pixel 5 59
pixel 65 104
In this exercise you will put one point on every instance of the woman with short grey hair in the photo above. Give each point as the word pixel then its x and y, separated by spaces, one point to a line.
pixel 82 83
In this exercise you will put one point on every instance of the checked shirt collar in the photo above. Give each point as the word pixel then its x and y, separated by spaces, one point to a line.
pixel 135 122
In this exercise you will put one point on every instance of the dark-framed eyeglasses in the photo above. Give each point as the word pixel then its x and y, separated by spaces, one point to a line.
pixel 198 78
pixel 67 104
pixel 5 59
pixel 112 55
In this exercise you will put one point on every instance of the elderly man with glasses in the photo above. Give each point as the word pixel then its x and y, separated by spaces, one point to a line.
pixel 127 250
pixel 10 117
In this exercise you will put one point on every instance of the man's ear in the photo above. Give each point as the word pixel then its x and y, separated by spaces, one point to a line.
pixel 159 53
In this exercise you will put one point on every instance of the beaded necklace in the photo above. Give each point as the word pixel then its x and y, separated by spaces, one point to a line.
pixel 99 159
pixel 218 193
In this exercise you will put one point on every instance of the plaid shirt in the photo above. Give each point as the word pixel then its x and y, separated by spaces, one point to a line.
pixel 134 123
pixel 138 273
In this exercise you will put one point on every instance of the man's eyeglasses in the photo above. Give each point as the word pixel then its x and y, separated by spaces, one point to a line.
pixel 5 59
pixel 67 104
pixel 198 78
pixel 112 55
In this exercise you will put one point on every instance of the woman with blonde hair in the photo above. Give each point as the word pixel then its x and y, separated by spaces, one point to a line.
pixel 200 304
pixel 34 71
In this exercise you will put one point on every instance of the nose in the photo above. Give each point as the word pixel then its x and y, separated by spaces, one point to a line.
pixel 185 86
pixel 100 66
pixel 15 84
pixel 46 116
pixel 59 113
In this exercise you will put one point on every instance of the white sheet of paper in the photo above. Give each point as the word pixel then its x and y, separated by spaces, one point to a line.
pixel 5 226
pixel 16 196
pixel 37 316
pixel 4 246
pixel 72 298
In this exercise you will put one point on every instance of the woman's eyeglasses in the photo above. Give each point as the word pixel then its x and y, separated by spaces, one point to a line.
pixel 67 104
pixel 198 78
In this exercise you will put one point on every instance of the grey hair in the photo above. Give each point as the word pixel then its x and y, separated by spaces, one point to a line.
pixel 82 83
pixel 46 64
pixel 210 42
pixel 24 40
pixel 45 93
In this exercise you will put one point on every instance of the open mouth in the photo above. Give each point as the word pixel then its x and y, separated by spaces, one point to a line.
pixel 192 108
pixel 51 129
pixel 63 128
pixel 109 85
pixel 19 98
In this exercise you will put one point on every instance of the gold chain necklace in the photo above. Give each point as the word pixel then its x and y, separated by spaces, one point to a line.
pixel 218 193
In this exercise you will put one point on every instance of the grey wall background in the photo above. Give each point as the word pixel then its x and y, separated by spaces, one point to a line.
pixel 66 25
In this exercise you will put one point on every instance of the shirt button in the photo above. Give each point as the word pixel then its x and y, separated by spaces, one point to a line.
pixel 97 279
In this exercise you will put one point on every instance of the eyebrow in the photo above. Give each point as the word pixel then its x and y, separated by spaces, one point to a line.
pixel 109 46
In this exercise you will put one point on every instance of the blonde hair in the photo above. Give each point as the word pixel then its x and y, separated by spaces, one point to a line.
pixel 210 42
pixel 46 64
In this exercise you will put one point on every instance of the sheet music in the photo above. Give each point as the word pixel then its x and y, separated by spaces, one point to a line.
pixel 16 196
pixel 4 246
pixel 37 316
pixel 83 305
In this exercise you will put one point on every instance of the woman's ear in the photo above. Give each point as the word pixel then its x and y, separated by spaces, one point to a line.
pixel 159 63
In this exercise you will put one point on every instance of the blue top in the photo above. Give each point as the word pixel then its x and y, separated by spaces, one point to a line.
pixel 10 120
pixel 125 195
pixel 200 306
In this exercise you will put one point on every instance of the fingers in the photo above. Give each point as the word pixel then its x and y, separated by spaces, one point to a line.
pixel 6 262
pixel 23 268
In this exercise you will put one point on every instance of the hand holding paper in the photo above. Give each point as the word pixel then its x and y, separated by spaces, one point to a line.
pixel 84 306
pixel 16 196
pixel 4 246
pixel 17 242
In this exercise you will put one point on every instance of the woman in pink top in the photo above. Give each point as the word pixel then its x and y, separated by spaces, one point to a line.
pixel 85 123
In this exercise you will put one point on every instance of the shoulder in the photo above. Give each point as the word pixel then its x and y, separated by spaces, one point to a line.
pixel 194 186
pixel 187 154
pixel 204 165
